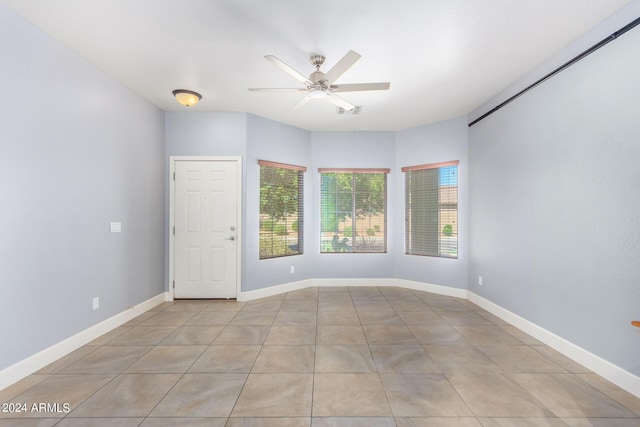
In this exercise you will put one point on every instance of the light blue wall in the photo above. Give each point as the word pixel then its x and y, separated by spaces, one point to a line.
pixel 277 142
pixel 555 197
pixel 439 142
pixel 79 150
pixel 193 133
pixel 352 150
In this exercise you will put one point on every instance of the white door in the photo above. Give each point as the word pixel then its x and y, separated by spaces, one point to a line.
pixel 205 220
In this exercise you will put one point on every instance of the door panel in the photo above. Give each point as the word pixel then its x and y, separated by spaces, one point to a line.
pixel 205 216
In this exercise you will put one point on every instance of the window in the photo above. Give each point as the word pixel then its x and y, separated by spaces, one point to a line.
pixel 431 209
pixel 353 209
pixel 281 208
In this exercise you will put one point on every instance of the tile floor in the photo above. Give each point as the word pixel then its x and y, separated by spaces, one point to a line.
pixel 364 356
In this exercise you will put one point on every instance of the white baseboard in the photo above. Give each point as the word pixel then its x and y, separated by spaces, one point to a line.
pixel 434 289
pixel 354 282
pixel 31 364
pixel 620 377
pixel 274 290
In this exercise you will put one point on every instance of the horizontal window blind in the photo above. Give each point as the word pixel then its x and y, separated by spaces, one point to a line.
pixel 281 209
pixel 431 209
pixel 353 210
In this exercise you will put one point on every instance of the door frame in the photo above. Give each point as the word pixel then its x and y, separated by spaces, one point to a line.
pixel 172 165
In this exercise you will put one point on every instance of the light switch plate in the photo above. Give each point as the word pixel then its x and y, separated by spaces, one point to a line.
pixel 115 227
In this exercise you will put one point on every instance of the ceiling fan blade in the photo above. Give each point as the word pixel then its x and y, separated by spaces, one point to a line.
pixel 335 99
pixel 287 69
pixel 343 65
pixel 273 89
pixel 356 87
pixel 303 101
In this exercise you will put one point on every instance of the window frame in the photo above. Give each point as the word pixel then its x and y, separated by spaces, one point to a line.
pixel 409 235
pixel 300 209
pixel 354 171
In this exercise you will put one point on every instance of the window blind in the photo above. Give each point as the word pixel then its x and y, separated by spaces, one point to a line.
pixel 353 210
pixel 431 209
pixel 281 209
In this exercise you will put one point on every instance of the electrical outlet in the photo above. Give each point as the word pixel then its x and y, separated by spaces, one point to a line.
pixel 480 280
pixel 96 303
pixel 293 269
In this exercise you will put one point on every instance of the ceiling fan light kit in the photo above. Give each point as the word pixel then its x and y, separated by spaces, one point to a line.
pixel 320 85
pixel 188 98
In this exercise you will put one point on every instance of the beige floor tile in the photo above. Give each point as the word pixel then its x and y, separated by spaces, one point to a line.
pixel 337 306
pixel 344 359
pixel 275 395
pixel 497 395
pixel 389 335
pixel 491 318
pixel 601 422
pixel 403 358
pixel 242 335
pixel 570 397
pixel 100 422
pixel 226 359
pixel 487 335
pixel 299 305
pixel 128 395
pixel 186 422
pixel 522 422
pixel 144 335
pixel 338 318
pixel 253 318
pixel 15 389
pixel 353 422
pixel 269 422
pixel 437 335
pixel 201 395
pixel 141 318
pixel 264 304
pixel 520 335
pixel 166 317
pixel 193 335
pixel 520 359
pixel 65 361
pixel 383 317
pixel 104 339
pixel 60 388
pixel 291 335
pixel 409 305
pixel 322 289
pixel 341 335
pixel 422 318
pixel 224 306
pixel 167 359
pixel 369 305
pixel 562 360
pixel 457 318
pixel 108 359
pixel 302 294
pixel 349 395
pixel 395 293
pixel 438 422
pixel 188 305
pixel 295 318
pixel 462 358
pixel 211 318
pixel 445 304
pixel 335 297
pixel 285 359
pixel 423 395
pixel 621 396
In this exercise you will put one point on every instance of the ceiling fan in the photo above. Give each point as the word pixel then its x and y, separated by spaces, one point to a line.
pixel 320 85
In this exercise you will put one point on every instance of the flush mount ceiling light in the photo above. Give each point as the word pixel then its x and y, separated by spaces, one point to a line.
pixel 188 98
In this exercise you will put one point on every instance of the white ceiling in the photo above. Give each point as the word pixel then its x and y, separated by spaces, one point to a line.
pixel 443 57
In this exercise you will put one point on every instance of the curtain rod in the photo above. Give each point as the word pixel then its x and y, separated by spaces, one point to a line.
pixel 567 64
